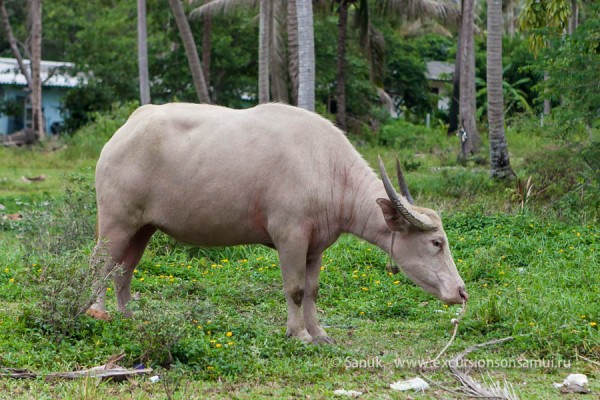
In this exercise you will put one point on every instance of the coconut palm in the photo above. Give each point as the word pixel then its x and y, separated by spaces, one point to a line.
pixel 271 62
pixel 190 50
pixel 306 55
pixel 469 137
pixel 499 160
pixel 143 53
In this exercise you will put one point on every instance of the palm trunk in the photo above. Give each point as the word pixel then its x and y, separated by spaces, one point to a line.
pixel 190 50
pixel 341 66
pixel 263 53
pixel 499 160
pixel 277 56
pixel 292 31
pixel 143 53
pixel 36 59
pixel 206 46
pixel 454 109
pixel 470 140
pixel 306 52
pixel 511 18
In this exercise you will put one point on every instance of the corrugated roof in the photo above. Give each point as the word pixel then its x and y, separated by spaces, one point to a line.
pixel 53 73
pixel 439 70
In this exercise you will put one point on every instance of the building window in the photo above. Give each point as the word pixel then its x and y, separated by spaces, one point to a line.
pixel 28 114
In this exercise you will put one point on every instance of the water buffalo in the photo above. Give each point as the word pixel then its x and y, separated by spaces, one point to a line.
pixel 274 175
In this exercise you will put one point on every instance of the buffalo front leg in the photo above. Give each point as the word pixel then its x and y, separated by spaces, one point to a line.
pixel 309 303
pixel 292 257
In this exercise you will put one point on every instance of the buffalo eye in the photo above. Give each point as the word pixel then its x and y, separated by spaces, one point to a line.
pixel 438 243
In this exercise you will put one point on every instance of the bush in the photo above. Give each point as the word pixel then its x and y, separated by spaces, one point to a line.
pixel 89 140
pixel 57 240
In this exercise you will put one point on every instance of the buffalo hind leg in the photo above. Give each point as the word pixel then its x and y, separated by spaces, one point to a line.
pixel 292 256
pixel 130 259
pixel 309 303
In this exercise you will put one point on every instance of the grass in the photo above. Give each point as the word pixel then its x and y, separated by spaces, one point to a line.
pixel 212 321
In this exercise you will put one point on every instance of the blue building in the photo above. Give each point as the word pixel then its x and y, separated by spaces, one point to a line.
pixel 15 107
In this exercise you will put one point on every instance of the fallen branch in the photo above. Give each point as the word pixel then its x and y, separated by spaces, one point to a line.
pixel 473 388
pixel 110 370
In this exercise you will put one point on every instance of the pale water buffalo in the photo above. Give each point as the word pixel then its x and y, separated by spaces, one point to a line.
pixel 274 175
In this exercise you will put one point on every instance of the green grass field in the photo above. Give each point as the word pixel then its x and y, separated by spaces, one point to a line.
pixel 211 322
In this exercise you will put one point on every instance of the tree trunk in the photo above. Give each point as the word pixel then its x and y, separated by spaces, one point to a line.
pixel 36 60
pixel 574 19
pixel 469 136
pixel 341 66
pixel 263 53
pixel 511 18
pixel 190 50
pixel 547 105
pixel 292 31
pixel 306 52
pixel 499 160
pixel 454 109
pixel 143 53
pixel 206 46
pixel 13 44
pixel 278 80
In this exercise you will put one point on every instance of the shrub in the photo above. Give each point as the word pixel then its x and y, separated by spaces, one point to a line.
pixel 89 140
pixel 57 239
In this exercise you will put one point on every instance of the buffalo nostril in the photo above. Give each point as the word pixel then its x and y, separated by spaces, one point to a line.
pixel 462 291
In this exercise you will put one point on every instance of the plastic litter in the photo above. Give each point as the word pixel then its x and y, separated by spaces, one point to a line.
pixel 417 384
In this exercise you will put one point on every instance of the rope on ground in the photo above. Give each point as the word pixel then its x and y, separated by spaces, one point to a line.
pixel 470 387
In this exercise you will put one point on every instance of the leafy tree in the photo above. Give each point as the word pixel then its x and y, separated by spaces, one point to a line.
pixel 573 65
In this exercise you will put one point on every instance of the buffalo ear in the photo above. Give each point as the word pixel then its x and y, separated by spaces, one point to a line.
pixel 394 220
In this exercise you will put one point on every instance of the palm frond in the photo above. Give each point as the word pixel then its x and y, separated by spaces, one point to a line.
pixel 221 6
pixel 445 11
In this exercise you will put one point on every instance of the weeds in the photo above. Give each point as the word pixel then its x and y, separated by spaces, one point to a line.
pixel 56 239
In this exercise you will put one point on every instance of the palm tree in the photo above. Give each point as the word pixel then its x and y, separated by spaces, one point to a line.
pixel 340 116
pixel 499 160
pixel 469 137
pixel 206 45
pixel 306 55
pixel 143 53
pixel 270 71
pixel 292 31
pixel 190 50
pixel 263 52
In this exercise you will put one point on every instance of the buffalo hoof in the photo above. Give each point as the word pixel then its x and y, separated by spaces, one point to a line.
pixel 302 335
pixel 97 314
pixel 323 340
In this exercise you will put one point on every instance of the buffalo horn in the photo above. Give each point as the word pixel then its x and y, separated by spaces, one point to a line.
pixel 416 219
pixel 402 183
